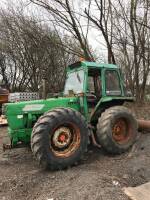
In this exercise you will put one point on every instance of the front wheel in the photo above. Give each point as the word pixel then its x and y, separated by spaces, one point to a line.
pixel 116 129
pixel 59 138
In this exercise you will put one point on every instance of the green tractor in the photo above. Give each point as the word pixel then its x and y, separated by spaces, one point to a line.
pixel 90 109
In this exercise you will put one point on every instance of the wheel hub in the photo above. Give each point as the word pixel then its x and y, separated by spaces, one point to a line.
pixel 62 137
pixel 65 140
pixel 119 131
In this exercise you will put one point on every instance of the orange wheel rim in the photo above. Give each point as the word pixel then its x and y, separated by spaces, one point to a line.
pixel 65 140
pixel 121 131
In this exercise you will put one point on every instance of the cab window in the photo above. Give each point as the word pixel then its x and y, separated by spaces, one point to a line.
pixel 94 89
pixel 112 83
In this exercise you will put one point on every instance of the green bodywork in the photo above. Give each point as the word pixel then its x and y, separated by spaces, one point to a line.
pixel 22 116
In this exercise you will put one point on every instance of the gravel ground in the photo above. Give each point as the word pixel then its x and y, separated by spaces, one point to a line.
pixel 98 177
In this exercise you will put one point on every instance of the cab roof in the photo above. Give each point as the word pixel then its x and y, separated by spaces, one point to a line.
pixel 87 64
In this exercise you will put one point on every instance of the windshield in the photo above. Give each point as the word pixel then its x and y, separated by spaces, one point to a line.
pixel 74 82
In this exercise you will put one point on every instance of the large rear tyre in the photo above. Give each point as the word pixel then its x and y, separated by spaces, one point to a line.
pixel 117 129
pixel 59 138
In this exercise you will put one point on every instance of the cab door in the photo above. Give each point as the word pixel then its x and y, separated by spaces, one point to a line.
pixel 94 89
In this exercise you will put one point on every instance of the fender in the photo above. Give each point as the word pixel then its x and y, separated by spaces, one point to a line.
pixel 106 102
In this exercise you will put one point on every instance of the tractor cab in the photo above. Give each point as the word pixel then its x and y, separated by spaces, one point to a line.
pixel 94 80
pixel 97 83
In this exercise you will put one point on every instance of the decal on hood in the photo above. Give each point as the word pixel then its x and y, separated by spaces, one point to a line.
pixel 33 107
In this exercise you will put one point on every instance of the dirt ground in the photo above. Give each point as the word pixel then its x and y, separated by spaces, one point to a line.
pixel 99 177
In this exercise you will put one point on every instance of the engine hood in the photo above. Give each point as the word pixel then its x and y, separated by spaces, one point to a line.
pixel 40 106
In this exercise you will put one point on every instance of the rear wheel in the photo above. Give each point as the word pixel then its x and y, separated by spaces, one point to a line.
pixel 59 138
pixel 116 129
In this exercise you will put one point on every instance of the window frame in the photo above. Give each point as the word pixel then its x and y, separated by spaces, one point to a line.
pixel 119 83
pixel 84 79
pixel 99 77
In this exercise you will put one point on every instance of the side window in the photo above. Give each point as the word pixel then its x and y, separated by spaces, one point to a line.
pixel 112 83
pixel 94 85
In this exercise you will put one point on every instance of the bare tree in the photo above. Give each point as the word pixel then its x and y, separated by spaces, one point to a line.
pixel 29 50
pixel 64 15
pixel 102 20
pixel 132 42
pixel 125 28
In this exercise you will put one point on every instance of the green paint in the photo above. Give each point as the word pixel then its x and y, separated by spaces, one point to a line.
pixel 22 116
